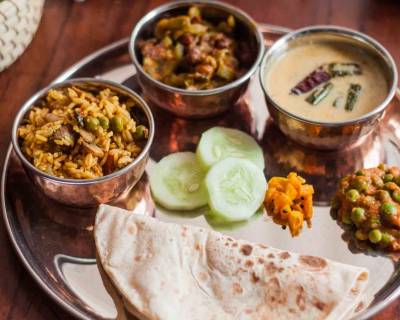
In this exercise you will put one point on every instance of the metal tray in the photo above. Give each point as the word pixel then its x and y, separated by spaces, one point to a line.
pixel 55 242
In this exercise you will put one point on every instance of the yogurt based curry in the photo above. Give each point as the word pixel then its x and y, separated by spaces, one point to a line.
pixel 327 82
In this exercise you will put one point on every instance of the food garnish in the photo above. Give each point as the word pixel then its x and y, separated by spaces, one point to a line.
pixel 314 79
pixel 352 96
pixel 324 73
pixel 191 52
pixel 319 94
pixel 289 202
pixel 344 69
pixel 368 203
pixel 79 134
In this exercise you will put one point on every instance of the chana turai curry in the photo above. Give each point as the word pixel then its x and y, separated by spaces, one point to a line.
pixel 195 53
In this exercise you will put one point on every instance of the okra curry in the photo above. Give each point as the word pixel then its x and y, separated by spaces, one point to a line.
pixel 327 82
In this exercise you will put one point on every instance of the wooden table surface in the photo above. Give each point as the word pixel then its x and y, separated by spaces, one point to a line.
pixel 71 30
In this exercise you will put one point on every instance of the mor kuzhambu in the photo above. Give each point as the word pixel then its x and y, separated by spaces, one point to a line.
pixel 327 81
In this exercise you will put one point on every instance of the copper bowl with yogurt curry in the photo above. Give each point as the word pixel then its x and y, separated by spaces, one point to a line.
pixel 326 87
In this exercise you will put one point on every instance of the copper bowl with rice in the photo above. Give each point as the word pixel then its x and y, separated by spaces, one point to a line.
pixel 84 141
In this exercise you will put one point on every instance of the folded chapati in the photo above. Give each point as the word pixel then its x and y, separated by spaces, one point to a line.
pixel 166 271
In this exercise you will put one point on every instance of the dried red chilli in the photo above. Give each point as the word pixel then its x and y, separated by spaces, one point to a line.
pixel 313 80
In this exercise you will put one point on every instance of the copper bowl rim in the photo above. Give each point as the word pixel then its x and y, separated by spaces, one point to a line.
pixel 238 13
pixel 82 81
pixel 347 32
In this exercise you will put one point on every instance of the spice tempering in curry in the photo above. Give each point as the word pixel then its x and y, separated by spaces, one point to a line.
pixel 190 52
pixel 80 134
pixel 368 201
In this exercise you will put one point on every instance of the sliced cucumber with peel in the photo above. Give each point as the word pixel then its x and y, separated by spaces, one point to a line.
pixel 219 143
pixel 177 182
pixel 236 189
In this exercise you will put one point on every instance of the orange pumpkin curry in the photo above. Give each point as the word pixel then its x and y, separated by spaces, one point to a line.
pixel 289 202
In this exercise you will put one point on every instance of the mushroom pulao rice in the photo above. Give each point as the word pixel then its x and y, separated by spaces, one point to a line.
pixel 81 133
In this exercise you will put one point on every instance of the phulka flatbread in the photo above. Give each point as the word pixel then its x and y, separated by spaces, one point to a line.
pixel 167 271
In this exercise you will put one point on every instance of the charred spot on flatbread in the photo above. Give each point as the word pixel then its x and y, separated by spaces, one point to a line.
pixel 246 249
pixel 315 263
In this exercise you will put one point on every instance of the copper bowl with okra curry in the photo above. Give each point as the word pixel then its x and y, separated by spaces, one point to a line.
pixel 327 86
pixel 195 58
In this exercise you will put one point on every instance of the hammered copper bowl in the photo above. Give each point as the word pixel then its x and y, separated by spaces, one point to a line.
pixel 196 103
pixel 86 192
pixel 328 135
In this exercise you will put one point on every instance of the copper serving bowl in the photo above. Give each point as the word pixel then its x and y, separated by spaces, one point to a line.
pixel 86 192
pixel 196 103
pixel 328 135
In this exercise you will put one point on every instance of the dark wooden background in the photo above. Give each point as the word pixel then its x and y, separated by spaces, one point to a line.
pixel 71 30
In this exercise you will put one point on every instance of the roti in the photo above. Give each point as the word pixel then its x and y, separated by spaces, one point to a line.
pixel 166 271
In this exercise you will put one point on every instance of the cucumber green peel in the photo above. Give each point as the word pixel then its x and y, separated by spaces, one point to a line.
pixel 219 143
pixel 177 182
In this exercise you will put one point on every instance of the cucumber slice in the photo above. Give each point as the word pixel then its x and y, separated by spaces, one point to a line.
pixel 219 143
pixel 177 182
pixel 236 188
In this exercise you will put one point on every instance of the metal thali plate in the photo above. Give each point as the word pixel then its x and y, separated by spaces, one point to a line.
pixel 56 244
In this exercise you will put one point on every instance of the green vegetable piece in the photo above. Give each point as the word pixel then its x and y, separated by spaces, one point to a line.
pixel 231 21
pixel 388 209
pixel 179 50
pixel 224 71
pixel 358 215
pixel 167 41
pixel 359 173
pixel 196 29
pixel 335 203
pixel 374 223
pixel 339 102
pixel 352 195
pixel 171 24
pixel 375 236
pixel 319 94
pixel 360 184
pixel 382 166
pixel 346 219
pixel 397 180
pixel 383 195
pixel 388 177
pixel 140 132
pixel 117 124
pixel 360 235
pixel 387 239
pixel 91 123
pixel 352 96
pixel 194 12
pixel 396 196
pixel 344 69
pixel 104 122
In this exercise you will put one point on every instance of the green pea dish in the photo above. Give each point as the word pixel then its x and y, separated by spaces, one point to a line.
pixel 368 202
